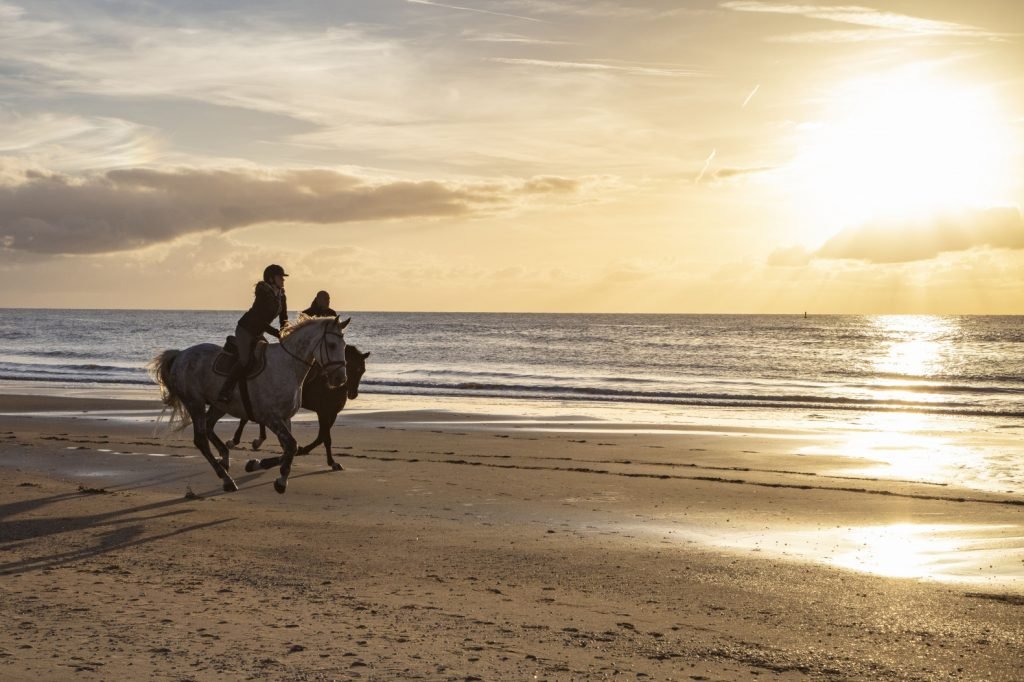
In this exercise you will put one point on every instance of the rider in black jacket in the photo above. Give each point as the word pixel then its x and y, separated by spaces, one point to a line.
pixel 321 306
pixel 270 302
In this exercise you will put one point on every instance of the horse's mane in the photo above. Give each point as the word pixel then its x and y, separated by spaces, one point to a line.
pixel 303 321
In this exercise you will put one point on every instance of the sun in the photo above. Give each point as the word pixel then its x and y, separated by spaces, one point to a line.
pixel 904 145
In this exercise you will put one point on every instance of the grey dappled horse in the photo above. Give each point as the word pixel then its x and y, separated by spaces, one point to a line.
pixel 188 384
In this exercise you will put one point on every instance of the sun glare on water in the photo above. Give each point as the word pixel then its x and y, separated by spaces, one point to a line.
pixel 903 146
pixel 915 345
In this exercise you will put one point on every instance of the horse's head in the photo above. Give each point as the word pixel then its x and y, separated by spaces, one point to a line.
pixel 356 366
pixel 331 351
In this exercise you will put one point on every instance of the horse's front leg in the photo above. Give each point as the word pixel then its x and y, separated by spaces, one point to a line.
pixel 237 438
pixel 263 436
pixel 281 429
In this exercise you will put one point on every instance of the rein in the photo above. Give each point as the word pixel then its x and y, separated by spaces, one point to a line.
pixel 323 339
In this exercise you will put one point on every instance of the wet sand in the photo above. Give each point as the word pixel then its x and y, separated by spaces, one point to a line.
pixel 461 546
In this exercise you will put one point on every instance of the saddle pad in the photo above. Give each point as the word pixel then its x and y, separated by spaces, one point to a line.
pixel 224 361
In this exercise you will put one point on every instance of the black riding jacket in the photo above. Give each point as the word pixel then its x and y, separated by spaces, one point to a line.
pixel 317 311
pixel 270 303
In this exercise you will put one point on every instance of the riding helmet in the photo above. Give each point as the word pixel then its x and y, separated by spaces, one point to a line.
pixel 272 271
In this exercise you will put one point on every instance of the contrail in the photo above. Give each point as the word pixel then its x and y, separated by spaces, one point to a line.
pixel 750 96
pixel 597 66
pixel 707 164
pixel 473 9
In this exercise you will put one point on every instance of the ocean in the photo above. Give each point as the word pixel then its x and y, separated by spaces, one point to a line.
pixel 955 365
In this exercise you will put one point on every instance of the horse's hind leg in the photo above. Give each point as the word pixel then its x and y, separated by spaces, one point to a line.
pixel 289 446
pixel 306 449
pixel 237 438
pixel 202 443
pixel 212 416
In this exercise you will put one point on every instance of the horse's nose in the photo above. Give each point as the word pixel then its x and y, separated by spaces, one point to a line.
pixel 338 378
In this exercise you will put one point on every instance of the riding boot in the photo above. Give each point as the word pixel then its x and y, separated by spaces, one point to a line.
pixel 229 384
pixel 244 342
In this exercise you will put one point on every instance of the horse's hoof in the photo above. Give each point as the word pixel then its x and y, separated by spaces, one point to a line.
pixel 279 486
pixel 336 467
pixel 229 486
pixel 230 444
pixel 252 465
pixel 257 443
pixel 302 451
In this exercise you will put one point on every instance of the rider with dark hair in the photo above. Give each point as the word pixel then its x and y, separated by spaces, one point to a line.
pixel 270 302
pixel 321 306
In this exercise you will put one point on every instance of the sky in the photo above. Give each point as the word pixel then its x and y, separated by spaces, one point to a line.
pixel 739 156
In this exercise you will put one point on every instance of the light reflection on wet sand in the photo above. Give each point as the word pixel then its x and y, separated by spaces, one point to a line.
pixel 917 447
pixel 976 554
pixel 980 555
pixel 950 552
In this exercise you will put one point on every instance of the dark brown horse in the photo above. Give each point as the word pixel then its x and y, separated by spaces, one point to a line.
pixel 327 402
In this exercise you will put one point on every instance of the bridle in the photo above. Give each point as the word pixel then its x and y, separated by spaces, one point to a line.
pixel 323 341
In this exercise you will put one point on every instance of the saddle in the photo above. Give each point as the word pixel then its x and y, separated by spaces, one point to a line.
pixel 225 360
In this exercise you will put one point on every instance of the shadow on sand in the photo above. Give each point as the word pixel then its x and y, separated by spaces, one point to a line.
pixel 89 535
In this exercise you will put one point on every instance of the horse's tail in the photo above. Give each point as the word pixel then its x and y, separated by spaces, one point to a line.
pixel 160 369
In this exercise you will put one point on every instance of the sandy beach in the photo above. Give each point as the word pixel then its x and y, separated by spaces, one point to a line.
pixel 466 546
pixel 678 340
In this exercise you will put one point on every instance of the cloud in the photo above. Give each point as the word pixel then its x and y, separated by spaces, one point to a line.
pixel 306 73
pixel 840 36
pixel 549 185
pixel 76 143
pixel 128 209
pixel 592 9
pixel 900 242
pixel 476 37
pixel 470 9
pixel 729 173
pixel 791 256
pixel 365 87
pixel 632 69
pixel 893 22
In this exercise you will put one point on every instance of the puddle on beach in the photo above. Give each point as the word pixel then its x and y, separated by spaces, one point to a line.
pixel 980 555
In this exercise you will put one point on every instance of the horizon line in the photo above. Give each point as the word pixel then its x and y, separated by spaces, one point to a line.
pixel 527 312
